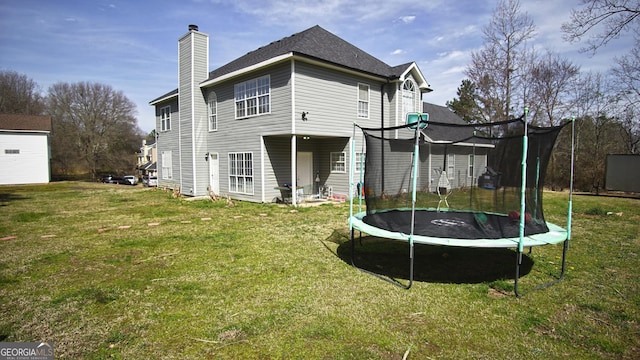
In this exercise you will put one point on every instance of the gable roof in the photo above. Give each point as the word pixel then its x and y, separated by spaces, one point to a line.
pixel 20 122
pixel 443 114
pixel 314 43
pixel 164 97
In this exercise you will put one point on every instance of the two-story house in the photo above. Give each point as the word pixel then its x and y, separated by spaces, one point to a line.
pixel 281 114
pixel 147 158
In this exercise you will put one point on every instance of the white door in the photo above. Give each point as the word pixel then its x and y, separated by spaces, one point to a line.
pixel 214 168
pixel 304 165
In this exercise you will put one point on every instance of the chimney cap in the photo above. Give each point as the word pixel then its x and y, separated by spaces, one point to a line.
pixel 193 27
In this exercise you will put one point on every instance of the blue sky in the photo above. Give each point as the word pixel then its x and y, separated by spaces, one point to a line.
pixel 132 45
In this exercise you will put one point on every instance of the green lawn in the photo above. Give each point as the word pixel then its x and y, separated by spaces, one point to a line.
pixel 110 271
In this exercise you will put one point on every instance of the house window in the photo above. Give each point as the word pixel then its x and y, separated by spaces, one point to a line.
pixel 167 169
pixel 165 118
pixel 363 101
pixel 212 107
pixel 241 173
pixel 360 158
pixel 451 166
pixel 253 97
pixel 471 163
pixel 409 98
pixel 12 151
pixel 338 162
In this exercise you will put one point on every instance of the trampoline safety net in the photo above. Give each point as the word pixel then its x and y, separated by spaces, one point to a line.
pixel 474 171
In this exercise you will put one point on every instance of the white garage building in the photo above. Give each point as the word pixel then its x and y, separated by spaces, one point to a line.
pixel 24 149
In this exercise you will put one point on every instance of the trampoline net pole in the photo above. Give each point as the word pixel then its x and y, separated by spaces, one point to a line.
pixel 351 175
pixel 523 188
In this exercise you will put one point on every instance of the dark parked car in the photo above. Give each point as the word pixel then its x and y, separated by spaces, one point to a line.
pixel 108 179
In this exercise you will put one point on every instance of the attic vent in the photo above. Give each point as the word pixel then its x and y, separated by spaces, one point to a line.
pixel 193 27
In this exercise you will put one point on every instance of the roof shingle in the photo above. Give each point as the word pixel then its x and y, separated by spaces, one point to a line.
pixel 315 43
pixel 25 122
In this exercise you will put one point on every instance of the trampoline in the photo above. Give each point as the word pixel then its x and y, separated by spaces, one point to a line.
pixel 449 183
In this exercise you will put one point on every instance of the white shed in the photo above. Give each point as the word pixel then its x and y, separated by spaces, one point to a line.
pixel 24 149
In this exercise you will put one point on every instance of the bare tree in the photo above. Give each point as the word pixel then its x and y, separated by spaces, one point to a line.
pixel 630 130
pixel 626 85
pixel 494 67
pixel 604 19
pixel 93 124
pixel 19 94
pixel 552 78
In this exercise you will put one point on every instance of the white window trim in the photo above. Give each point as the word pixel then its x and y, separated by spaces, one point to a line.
pixel 471 165
pixel 212 115
pixel 165 122
pixel 257 98
pixel 363 101
pixel 359 160
pixel 415 101
pixel 343 161
pixel 241 176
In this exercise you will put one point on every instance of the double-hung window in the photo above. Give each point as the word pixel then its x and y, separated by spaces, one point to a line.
pixel 471 164
pixel 165 118
pixel 167 168
pixel 241 173
pixel 363 101
pixel 451 166
pixel 253 97
pixel 338 162
pixel 212 108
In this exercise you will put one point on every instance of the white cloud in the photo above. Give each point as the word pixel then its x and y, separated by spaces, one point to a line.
pixel 407 19
pixel 397 52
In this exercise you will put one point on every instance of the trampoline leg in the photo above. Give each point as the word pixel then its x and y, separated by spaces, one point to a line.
pixel 387 279
pixel 565 247
pixel 517 277
pixel 410 266
pixel 353 248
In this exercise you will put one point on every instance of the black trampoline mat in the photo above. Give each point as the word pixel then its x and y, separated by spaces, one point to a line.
pixel 453 224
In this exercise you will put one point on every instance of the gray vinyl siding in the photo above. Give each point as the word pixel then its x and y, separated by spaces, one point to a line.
pixel 339 182
pixel 193 121
pixel 244 135
pixel 331 99
pixel 277 165
pixel 168 141
pixel 460 176
pixel 395 105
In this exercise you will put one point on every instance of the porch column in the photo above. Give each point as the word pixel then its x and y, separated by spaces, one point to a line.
pixel 294 170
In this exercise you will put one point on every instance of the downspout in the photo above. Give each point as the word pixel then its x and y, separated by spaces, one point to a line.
pixel 382 127
pixel 294 140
